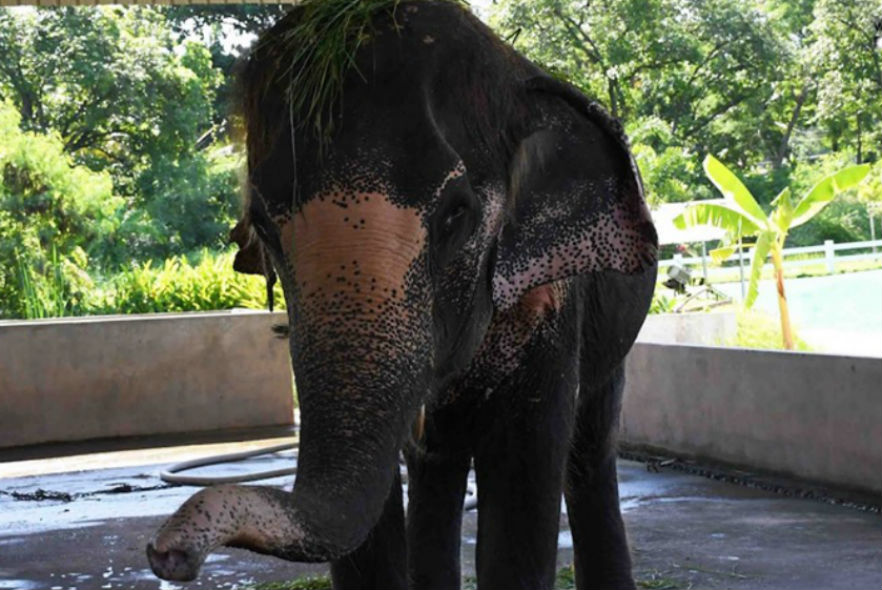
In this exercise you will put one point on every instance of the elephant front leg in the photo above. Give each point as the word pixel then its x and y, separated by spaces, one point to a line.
pixel 437 474
pixel 519 461
pixel 380 562
pixel 592 494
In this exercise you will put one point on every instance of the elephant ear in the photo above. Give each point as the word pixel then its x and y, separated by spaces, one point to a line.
pixel 252 258
pixel 248 259
pixel 577 200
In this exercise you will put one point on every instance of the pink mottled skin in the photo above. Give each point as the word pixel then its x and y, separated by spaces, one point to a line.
pixel 256 518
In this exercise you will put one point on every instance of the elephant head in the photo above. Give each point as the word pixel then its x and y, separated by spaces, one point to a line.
pixel 458 176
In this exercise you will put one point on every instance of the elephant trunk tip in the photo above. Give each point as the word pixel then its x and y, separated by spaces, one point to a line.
pixel 173 564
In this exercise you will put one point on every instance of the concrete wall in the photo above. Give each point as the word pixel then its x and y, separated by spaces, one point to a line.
pixel 710 329
pixel 128 375
pixel 812 416
pixel 808 415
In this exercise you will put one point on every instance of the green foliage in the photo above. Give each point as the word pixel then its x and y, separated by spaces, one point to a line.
pixel 226 30
pixel 775 86
pixel 179 285
pixel 304 583
pixel 114 147
pixel 124 96
pixel 870 191
pixel 54 215
pixel 847 58
pixel 198 204
pixel 671 173
pixel 756 329
pixel 662 303
pixel 846 218
pixel 739 214
pixel 694 65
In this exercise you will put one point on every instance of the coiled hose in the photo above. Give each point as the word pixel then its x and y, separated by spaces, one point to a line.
pixel 173 473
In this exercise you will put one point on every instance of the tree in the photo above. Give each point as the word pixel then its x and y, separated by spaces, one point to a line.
pixel 847 52
pixel 706 68
pixel 227 30
pixel 54 215
pixel 740 215
pixel 125 96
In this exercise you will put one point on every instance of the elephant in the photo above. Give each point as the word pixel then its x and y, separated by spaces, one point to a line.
pixel 466 257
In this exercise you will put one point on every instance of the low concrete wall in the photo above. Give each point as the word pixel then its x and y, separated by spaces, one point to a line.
pixel 113 376
pixel 812 416
pixel 709 329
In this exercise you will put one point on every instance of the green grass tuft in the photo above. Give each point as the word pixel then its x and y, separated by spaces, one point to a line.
pixel 756 329
pixel 319 50
pixel 566 580
pixel 305 583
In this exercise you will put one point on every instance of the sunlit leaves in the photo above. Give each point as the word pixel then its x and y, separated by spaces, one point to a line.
pixel 734 190
pixel 739 214
pixel 824 192
pixel 764 242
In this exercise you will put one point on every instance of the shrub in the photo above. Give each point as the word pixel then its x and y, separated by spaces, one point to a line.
pixel 177 285
pixel 53 216
pixel 756 329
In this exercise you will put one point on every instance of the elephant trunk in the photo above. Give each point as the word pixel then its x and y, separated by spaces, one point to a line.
pixel 351 433
pixel 362 350
pixel 355 416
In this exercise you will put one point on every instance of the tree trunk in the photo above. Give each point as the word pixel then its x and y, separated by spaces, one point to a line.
pixel 860 143
pixel 613 101
pixel 784 146
pixel 786 329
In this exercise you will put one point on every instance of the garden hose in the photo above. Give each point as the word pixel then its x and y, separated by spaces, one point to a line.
pixel 172 474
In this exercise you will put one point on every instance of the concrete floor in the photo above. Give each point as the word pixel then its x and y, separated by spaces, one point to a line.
pixel 686 531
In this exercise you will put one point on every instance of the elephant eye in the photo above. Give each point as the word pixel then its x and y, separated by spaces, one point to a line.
pixel 453 217
pixel 454 223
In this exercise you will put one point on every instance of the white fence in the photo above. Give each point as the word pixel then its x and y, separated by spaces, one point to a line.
pixel 828 254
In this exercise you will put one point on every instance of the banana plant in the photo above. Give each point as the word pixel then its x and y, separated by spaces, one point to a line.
pixel 740 215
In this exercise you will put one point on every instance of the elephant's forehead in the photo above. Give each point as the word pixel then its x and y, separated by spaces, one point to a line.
pixel 351 244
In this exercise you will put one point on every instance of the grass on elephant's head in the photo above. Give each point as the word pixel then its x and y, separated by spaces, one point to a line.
pixel 319 49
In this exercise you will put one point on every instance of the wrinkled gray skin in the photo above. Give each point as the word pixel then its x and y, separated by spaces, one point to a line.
pixel 473 241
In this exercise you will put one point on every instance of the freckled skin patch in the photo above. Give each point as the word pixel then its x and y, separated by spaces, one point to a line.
pixel 245 516
pixel 353 251
pixel 505 345
pixel 609 240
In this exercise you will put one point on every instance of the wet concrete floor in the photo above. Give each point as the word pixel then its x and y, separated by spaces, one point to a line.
pixel 82 521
